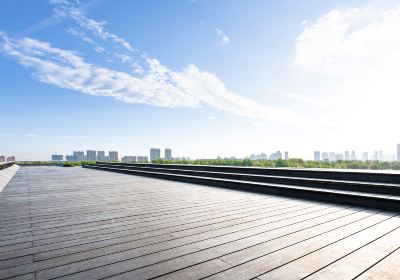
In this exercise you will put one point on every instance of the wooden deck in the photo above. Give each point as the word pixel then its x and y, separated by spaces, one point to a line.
pixel 74 223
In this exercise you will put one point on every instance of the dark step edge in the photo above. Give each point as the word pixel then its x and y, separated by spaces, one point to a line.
pixel 366 176
pixel 363 175
pixel 377 188
pixel 359 200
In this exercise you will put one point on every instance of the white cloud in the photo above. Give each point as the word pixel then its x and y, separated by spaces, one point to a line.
pixel 80 35
pixel 73 10
pixel 223 39
pixel 96 27
pixel 58 2
pixel 99 49
pixel 356 38
pixel 123 57
pixel 352 57
pixel 159 85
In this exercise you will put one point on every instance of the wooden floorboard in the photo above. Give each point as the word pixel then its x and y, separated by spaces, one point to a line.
pixel 74 223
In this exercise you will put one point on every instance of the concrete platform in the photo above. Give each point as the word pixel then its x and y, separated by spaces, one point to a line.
pixel 74 223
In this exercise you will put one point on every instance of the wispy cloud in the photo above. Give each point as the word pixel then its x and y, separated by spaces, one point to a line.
pixel 223 39
pixel 95 27
pixel 159 85
pixel 149 82
pixel 81 35
pixel 99 49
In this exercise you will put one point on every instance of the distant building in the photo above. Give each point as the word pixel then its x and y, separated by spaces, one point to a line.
pixel 339 156
pixel 332 156
pixel 91 155
pixel 168 154
pixel 113 156
pixel 142 159
pixel 364 156
pixel 2 158
pixel 376 155
pixel 128 159
pixel 11 158
pixel 55 158
pixel 70 158
pixel 346 155
pixel 101 156
pixel 317 156
pixel 286 155
pixel 261 156
pixel 276 155
pixel 155 154
pixel 325 156
pixel 398 152
pixel 380 155
pixel 79 155
pixel 353 155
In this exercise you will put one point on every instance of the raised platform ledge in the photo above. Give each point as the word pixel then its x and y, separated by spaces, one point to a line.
pixel 7 174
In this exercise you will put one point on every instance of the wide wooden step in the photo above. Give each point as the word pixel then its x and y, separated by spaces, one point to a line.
pixel 341 196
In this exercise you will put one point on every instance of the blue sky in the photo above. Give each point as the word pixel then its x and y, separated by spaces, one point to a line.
pixel 206 78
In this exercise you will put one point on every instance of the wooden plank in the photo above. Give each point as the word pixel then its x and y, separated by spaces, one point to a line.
pixel 387 268
pixel 136 233
pixel 359 260
pixel 78 223
pixel 253 260
pixel 159 243
pixel 177 258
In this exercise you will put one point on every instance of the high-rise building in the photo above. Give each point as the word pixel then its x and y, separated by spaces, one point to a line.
pixel 128 159
pixel 91 155
pixel 346 155
pixel 70 158
pixel 142 159
pixel 101 156
pixel 168 154
pixel 353 155
pixel 2 158
pixel 398 152
pixel 79 155
pixel 325 156
pixel 276 155
pixel 380 155
pixel 286 155
pixel 332 156
pixel 364 156
pixel 317 156
pixel 155 154
pixel 376 155
pixel 11 158
pixel 56 157
pixel 113 156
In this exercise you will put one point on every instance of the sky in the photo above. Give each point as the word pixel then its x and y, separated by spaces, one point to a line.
pixel 205 78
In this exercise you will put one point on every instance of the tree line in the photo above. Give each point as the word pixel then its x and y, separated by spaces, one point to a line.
pixel 293 163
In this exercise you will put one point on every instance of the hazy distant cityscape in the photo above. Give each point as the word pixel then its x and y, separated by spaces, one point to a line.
pixel 155 154
pixel 353 155
pixel 93 155
pixel 7 159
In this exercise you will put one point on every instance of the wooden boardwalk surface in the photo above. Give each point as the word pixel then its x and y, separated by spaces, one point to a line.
pixel 74 223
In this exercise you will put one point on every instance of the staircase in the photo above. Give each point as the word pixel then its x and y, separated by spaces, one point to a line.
pixel 379 190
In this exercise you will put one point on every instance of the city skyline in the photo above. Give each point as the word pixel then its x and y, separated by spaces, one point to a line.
pixel 97 155
pixel 155 154
pixel 92 73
